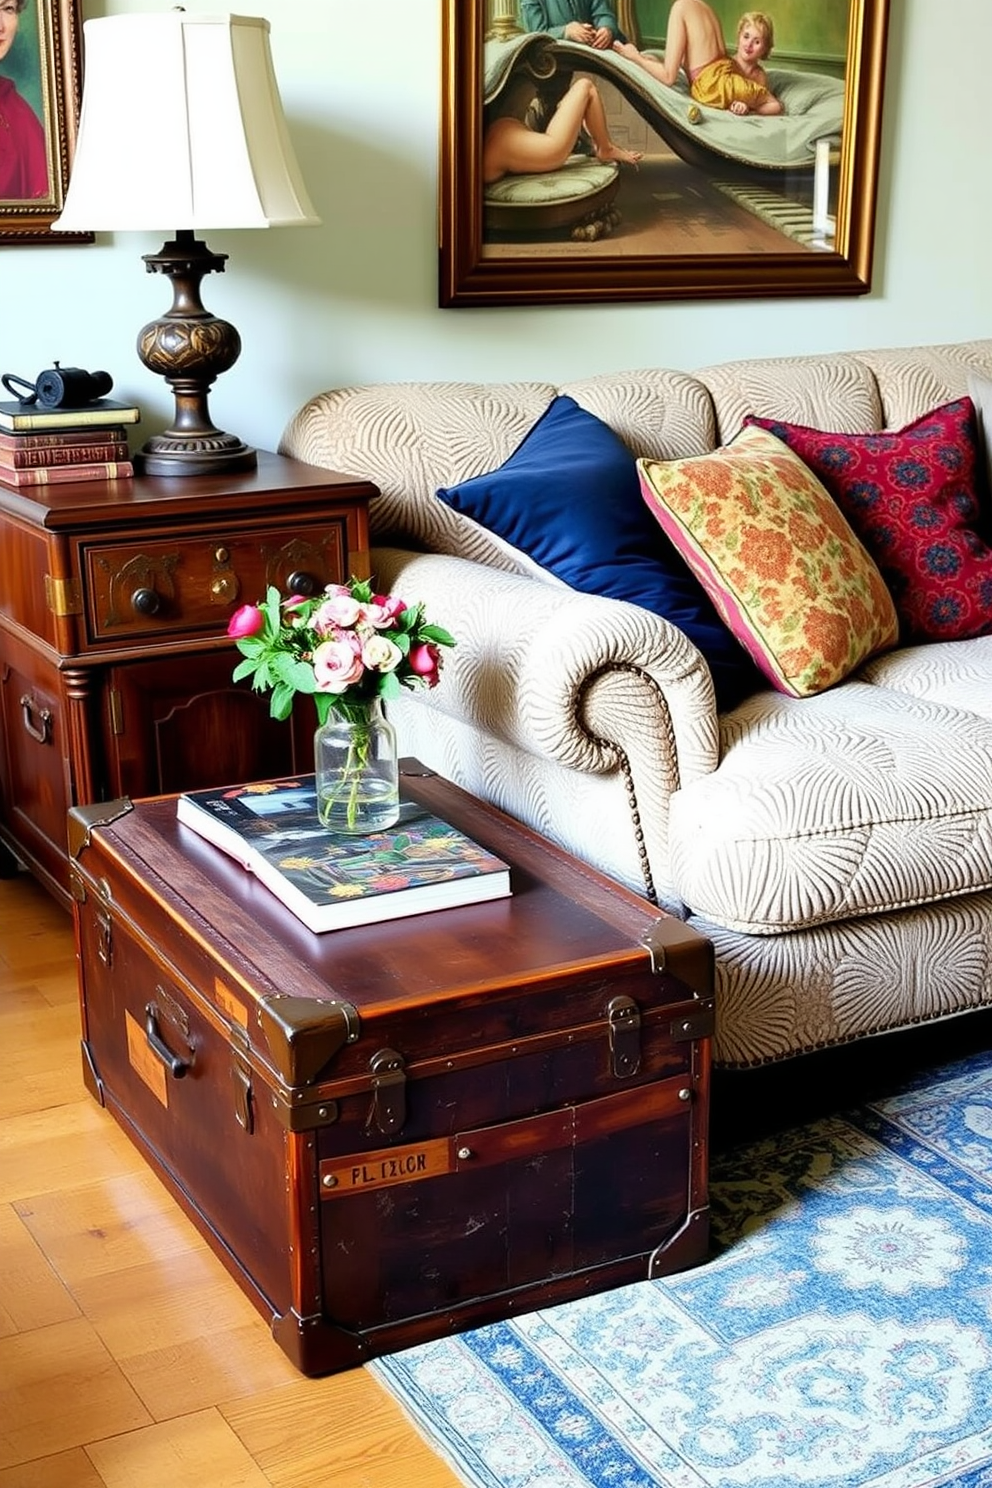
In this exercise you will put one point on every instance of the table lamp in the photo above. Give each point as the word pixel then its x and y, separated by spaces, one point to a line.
pixel 181 128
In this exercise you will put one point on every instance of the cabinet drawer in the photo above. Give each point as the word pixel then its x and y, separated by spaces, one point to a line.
pixel 189 584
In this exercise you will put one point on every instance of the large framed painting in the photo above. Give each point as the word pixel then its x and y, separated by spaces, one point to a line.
pixel 658 149
pixel 40 82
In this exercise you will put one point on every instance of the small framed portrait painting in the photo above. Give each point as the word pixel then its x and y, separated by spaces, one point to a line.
pixel 40 78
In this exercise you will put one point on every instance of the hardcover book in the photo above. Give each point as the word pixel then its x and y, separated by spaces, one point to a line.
pixel 59 455
pixel 22 440
pixel 16 416
pixel 330 880
pixel 50 475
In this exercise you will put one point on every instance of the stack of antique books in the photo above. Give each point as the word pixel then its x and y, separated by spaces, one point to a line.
pixel 41 446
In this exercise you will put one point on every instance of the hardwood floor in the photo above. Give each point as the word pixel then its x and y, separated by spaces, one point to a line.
pixel 128 1356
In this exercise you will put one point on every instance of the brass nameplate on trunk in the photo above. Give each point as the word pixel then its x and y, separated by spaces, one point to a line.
pixel 365 1170
pixel 143 1061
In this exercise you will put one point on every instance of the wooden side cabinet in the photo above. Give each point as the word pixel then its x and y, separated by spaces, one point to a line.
pixel 115 666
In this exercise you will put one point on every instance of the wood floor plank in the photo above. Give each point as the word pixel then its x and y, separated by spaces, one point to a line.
pixel 234 1363
pixel 343 1430
pixel 174 1301
pixel 60 1388
pixel 65 1470
pixel 124 1221
pixel 32 933
pixel 61 1147
pixel 197 1451
pixel 31 1292
pixel 42 1064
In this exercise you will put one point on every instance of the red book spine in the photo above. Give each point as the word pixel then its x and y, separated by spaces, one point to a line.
pixel 52 475
pixel 63 438
pixel 71 454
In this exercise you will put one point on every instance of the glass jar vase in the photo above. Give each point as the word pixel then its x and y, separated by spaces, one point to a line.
pixel 357 769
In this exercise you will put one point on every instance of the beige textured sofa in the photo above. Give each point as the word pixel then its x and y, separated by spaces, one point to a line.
pixel 837 850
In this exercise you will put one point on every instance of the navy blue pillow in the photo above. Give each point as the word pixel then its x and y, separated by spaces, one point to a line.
pixel 570 498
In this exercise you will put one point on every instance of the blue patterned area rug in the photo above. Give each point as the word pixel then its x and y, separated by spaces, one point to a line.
pixel 842 1334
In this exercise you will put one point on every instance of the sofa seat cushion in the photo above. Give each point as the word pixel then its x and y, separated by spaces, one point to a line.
pixel 792 994
pixel 856 802
pixel 957 673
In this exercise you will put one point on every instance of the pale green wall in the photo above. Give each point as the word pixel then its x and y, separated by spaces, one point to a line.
pixel 355 300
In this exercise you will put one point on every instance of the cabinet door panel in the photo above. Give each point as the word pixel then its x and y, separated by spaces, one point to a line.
pixel 172 726
pixel 34 766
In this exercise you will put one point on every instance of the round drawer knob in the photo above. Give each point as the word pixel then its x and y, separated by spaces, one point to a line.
pixel 464 1153
pixel 303 584
pixel 146 602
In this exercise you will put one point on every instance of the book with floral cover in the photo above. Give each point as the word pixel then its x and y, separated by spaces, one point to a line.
pixel 330 880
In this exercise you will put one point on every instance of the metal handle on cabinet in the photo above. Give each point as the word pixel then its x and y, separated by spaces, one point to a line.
pixel 42 731
pixel 224 589
pixel 303 584
pixel 146 601
pixel 177 1067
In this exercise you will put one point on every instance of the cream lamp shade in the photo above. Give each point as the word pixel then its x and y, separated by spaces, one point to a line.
pixel 182 128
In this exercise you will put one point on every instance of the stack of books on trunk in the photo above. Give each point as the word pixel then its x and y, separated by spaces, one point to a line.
pixel 41 446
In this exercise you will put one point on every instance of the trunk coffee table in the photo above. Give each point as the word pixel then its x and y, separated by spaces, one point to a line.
pixel 392 1132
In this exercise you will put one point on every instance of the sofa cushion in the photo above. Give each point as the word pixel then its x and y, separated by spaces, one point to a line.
pixel 958 673
pixel 568 497
pixel 856 802
pixel 912 497
pixel 777 557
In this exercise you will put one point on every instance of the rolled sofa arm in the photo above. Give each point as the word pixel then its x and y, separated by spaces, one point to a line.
pixel 581 683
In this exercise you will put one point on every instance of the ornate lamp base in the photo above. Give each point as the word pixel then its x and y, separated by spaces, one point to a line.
pixel 189 347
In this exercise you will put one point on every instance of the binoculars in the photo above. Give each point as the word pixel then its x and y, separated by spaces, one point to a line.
pixel 60 387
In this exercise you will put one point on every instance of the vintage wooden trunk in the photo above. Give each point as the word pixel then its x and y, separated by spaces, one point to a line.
pixel 393 1132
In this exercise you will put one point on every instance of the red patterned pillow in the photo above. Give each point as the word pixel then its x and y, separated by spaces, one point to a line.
pixel 910 497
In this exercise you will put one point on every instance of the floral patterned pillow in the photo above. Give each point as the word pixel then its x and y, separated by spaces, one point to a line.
pixel 777 557
pixel 910 495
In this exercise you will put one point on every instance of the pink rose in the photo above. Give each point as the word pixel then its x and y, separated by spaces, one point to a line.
pixel 382 610
pixel 248 620
pixel 338 610
pixel 336 667
pixel 425 661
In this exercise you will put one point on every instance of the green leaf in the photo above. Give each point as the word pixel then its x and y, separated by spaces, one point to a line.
pixel 438 635
pixel 281 704
pixel 243 669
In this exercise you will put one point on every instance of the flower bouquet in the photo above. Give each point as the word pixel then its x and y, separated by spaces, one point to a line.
pixel 349 649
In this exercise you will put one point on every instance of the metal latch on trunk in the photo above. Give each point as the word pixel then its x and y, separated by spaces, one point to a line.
pixel 624 1018
pixel 388 1110
pixel 244 1113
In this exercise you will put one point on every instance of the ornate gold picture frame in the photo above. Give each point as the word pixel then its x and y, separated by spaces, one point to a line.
pixel 40 85
pixel 717 207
